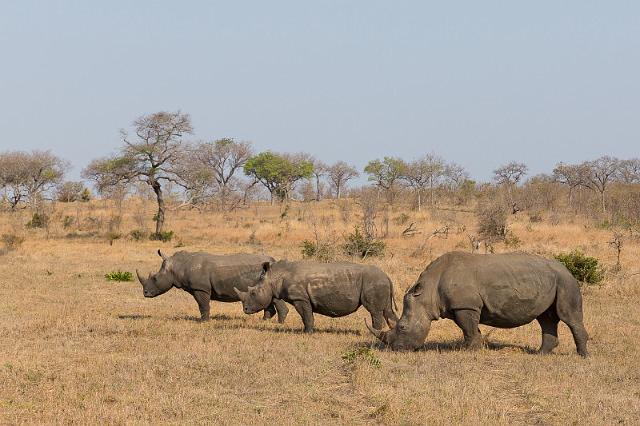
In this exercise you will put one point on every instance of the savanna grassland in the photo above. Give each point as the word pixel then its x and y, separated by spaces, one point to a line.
pixel 78 349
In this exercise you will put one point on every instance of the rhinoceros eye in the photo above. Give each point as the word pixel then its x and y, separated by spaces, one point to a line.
pixel 417 289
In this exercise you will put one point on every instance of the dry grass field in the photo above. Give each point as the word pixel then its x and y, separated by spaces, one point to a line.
pixel 78 349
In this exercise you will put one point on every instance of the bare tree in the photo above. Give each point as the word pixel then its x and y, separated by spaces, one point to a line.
pixel 423 173
pixel 629 171
pixel 509 175
pixel 572 175
pixel 320 170
pixel 455 175
pixel 25 176
pixel 339 174
pixel 70 191
pixel 149 157
pixel 215 164
pixel 600 173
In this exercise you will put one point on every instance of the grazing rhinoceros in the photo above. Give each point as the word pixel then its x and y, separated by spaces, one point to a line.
pixel 210 277
pixel 331 289
pixel 500 290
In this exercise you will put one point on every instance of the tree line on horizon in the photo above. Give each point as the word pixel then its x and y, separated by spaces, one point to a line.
pixel 227 173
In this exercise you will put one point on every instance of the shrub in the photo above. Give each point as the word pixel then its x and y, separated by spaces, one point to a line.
pixel 119 276
pixel 38 220
pixel 138 234
pixel 492 220
pixel 12 241
pixel 323 252
pixel 511 240
pixel 67 222
pixel 164 236
pixel 359 244
pixel 112 236
pixel 402 219
pixel 365 354
pixel 584 268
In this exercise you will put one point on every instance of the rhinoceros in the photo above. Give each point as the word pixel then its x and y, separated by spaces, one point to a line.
pixel 500 290
pixel 331 289
pixel 210 277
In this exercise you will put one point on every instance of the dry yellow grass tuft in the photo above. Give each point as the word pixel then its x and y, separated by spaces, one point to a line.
pixel 76 348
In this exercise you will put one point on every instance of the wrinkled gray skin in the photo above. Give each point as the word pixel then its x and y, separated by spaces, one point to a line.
pixel 500 290
pixel 210 277
pixel 331 289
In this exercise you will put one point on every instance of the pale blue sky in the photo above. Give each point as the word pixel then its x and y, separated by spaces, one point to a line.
pixel 478 82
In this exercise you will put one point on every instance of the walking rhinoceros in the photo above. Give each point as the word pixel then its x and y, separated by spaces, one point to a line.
pixel 500 290
pixel 331 289
pixel 210 277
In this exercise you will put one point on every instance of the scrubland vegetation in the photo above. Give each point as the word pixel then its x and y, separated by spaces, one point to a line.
pixel 80 344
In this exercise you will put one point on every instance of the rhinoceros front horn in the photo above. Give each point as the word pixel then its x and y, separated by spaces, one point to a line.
pixel 142 280
pixel 381 335
pixel 240 294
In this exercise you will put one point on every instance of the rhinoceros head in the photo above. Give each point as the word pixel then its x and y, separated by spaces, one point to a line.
pixel 413 327
pixel 159 283
pixel 260 296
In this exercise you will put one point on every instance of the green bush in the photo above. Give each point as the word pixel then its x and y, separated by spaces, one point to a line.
pixel 584 268
pixel 38 220
pixel 138 234
pixel 359 244
pixel 164 236
pixel 119 276
pixel 323 252
pixel 365 354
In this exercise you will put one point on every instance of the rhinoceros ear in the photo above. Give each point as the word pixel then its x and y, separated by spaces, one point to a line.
pixel 162 255
pixel 266 267
pixel 241 295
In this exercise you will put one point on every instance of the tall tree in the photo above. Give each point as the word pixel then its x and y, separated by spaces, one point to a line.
pixel 572 175
pixel 215 165
pixel 600 173
pixel 149 156
pixel 25 176
pixel 424 173
pixel 509 175
pixel 385 174
pixel 629 171
pixel 339 174
pixel 278 172
pixel 320 170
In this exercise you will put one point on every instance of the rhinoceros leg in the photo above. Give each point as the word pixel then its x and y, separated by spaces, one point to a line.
pixel 203 299
pixel 549 324
pixel 305 311
pixel 569 309
pixel 269 312
pixel 378 320
pixel 282 309
pixel 468 320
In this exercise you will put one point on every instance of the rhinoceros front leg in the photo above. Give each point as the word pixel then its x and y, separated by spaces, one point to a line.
pixel 305 311
pixel 282 309
pixel 468 320
pixel 204 300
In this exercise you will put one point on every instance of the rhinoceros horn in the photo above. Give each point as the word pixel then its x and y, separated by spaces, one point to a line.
pixel 241 295
pixel 381 335
pixel 142 280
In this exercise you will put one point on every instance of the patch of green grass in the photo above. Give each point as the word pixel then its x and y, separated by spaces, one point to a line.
pixel 364 353
pixel 119 276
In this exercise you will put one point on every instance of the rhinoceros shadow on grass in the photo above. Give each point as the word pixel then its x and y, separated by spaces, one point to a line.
pixel 455 346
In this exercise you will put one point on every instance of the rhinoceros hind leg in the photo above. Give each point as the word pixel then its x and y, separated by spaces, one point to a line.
pixel 549 324
pixel 468 320
pixel 305 311
pixel 569 309
pixel 282 310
